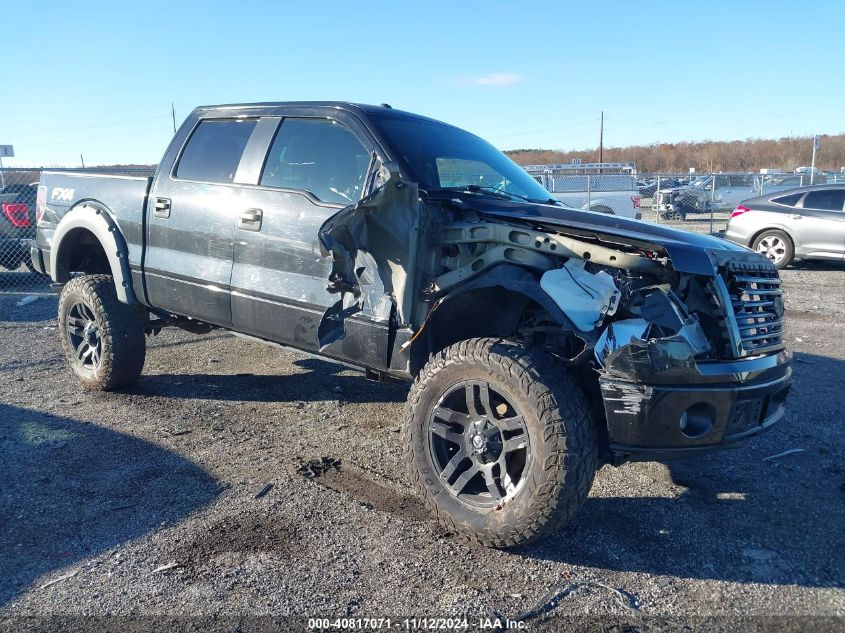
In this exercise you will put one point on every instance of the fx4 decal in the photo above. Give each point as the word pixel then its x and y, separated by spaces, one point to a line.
pixel 61 194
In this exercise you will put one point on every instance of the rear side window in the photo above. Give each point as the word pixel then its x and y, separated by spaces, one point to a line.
pixel 320 156
pixel 214 150
pixel 829 200
pixel 788 201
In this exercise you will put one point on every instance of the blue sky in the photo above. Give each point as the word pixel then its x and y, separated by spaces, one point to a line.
pixel 98 78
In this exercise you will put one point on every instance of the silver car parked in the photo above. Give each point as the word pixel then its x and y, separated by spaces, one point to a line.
pixel 804 223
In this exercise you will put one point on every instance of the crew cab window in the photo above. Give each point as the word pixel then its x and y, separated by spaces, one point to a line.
pixel 320 156
pixel 214 150
pixel 829 200
pixel 788 201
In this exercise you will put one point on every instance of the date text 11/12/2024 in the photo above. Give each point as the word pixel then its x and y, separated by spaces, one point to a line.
pixel 415 624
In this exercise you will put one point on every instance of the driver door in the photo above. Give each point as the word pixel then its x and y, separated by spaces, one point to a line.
pixel 308 169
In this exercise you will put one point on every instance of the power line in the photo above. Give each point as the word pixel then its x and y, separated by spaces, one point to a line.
pixel 96 138
pixel 548 129
pixel 94 126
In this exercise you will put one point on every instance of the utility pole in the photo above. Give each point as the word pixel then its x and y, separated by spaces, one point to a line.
pixel 82 160
pixel 9 152
pixel 173 115
pixel 601 139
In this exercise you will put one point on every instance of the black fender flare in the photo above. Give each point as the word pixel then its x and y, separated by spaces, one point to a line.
pixel 94 217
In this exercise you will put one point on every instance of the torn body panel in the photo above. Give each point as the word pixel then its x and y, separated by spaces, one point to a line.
pixel 373 245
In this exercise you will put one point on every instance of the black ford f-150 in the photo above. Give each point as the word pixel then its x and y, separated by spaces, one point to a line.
pixel 541 340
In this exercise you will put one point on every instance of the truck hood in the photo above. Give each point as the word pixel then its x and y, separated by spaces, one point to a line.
pixel 693 253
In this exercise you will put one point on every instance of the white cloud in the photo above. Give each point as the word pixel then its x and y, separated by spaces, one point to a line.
pixel 497 79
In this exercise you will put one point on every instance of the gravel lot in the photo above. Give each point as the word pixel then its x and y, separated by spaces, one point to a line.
pixel 240 480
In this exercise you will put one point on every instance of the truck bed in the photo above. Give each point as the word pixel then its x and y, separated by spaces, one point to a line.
pixel 123 197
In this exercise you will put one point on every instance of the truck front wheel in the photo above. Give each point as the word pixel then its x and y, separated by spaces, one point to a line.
pixel 103 339
pixel 500 441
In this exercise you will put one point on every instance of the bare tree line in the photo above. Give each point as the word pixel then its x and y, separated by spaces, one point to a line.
pixel 706 156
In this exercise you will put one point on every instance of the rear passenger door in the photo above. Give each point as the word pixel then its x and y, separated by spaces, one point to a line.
pixel 820 223
pixel 191 223
pixel 314 167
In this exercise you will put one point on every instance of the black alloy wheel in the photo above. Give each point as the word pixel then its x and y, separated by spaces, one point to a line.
pixel 479 444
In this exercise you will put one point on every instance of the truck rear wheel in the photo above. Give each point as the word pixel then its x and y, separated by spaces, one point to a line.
pixel 500 441
pixel 103 338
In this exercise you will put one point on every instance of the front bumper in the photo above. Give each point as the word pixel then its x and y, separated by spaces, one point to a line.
pixel 709 406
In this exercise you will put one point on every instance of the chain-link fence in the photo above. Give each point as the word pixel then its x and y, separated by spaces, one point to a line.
pixel 705 202
pixel 695 202
pixel 610 189
pixel 18 189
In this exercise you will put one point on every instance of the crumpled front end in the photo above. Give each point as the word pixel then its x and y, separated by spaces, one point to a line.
pixel 683 334
pixel 713 376
pixel 687 342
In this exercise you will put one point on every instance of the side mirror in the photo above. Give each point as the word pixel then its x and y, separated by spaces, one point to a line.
pixel 381 173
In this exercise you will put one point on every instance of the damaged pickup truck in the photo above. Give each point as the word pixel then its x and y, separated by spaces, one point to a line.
pixel 542 341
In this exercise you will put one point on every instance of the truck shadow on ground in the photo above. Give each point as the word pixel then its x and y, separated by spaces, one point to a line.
pixel 320 381
pixel 72 490
pixel 736 516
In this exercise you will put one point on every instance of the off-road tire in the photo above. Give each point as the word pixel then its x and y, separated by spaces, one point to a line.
pixel 561 432
pixel 785 240
pixel 120 330
pixel 601 208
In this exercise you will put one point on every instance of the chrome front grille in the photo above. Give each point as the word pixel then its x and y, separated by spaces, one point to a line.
pixel 756 308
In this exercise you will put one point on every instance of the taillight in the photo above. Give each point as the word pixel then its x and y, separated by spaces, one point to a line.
pixel 739 211
pixel 636 201
pixel 17 214
pixel 40 203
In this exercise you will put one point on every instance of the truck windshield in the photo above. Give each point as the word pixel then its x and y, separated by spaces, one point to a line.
pixel 439 156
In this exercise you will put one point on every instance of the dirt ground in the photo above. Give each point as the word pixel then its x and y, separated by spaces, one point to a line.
pixel 237 480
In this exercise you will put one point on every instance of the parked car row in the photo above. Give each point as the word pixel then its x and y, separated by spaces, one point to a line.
pixel 609 188
pixel 721 192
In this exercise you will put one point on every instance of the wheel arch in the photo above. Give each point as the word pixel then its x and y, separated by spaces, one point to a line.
pixel 772 227
pixel 492 305
pixel 89 220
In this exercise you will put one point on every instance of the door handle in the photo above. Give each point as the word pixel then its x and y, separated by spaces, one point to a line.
pixel 162 208
pixel 250 220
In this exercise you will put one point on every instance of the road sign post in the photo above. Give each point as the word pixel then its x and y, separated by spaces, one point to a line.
pixel 6 151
